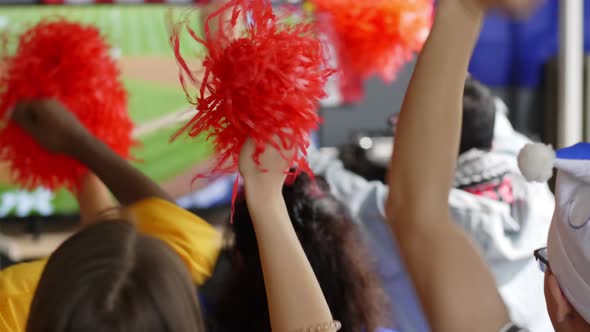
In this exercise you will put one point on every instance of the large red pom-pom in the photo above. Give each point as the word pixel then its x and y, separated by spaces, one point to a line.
pixel 261 78
pixel 72 63
pixel 375 37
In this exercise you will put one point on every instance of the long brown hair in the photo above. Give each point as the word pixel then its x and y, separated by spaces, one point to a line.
pixel 333 245
pixel 109 277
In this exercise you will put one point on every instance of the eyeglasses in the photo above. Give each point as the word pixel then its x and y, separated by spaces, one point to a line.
pixel 541 257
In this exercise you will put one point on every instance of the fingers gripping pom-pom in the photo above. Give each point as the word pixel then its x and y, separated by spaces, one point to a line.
pixel 536 162
pixel 376 37
pixel 262 82
pixel 71 63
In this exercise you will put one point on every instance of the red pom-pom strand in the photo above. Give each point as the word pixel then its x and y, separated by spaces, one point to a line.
pixel 261 78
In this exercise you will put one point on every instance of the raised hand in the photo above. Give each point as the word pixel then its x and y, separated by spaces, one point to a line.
pixel 271 168
pixel 50 124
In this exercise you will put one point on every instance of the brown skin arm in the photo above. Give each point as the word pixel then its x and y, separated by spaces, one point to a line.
pixel 93 198
pixel 59 131
pixel 455 287
pixel 127 183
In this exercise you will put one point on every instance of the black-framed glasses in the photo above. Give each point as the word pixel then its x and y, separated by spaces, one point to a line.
pixel 541 257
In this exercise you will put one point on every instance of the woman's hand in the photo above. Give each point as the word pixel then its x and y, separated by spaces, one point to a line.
pixel 50 124
pixel 270 170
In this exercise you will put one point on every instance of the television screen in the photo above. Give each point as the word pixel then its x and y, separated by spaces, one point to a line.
pixel 139 37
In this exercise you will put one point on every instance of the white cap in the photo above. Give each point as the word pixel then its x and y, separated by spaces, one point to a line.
pixel 568 245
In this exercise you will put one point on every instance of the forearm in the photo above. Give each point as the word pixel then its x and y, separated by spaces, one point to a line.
pixel 125 182
pixel 295 298
pixel 427 136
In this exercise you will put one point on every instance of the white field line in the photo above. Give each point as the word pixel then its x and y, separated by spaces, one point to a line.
pixel 166 121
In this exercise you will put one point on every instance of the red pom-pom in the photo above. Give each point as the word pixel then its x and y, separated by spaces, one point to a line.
pixel 72 63
pixel 375 37
pixel 261 78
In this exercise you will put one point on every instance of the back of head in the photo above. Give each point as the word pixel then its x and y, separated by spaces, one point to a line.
pixel 479 117
pixel 110 278
pixel 335 251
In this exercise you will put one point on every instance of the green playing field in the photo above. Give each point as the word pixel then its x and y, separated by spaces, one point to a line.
pixel 135 31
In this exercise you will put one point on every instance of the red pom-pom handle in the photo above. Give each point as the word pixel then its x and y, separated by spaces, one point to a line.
pixel 72 63
pixel 261 78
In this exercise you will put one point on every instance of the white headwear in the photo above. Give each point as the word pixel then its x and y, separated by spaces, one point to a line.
pixel 568 245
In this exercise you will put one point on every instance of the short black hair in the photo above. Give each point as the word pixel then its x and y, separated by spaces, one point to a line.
pixel 479 116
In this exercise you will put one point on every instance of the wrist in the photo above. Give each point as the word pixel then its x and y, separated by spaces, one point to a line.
pixel 471 9
pixel 264 200
pixel 261 190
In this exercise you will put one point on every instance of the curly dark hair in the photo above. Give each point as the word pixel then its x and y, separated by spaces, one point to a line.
pixel 334 247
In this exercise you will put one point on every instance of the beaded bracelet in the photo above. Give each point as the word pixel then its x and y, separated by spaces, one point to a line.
pixel 331 326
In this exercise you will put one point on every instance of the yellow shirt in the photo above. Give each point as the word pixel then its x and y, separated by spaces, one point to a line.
pixel 195 241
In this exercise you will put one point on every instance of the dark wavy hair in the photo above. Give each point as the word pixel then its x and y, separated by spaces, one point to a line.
pixel 333 245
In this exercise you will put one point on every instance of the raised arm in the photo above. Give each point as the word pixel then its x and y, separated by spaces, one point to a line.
pixel 93 198
pixel 295 298
pixel 59 131
pixel 193 239
pixel 428 131
pixel 456 288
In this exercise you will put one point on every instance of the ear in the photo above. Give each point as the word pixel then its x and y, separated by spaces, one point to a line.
pixel 563 308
